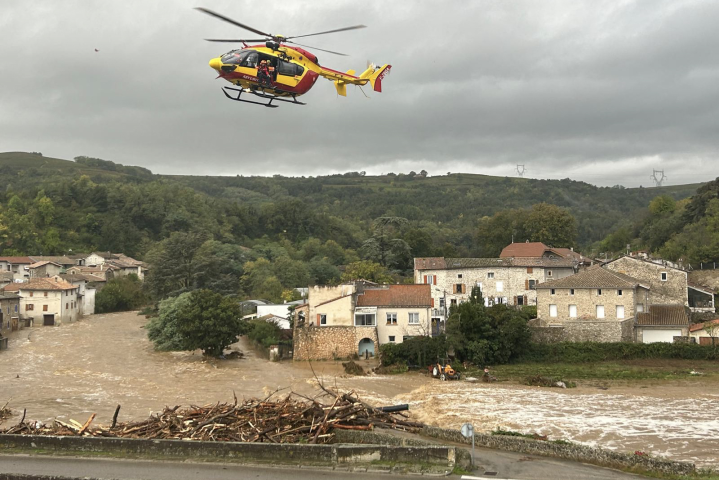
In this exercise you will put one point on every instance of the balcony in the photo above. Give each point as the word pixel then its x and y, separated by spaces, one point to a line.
pixel 439 312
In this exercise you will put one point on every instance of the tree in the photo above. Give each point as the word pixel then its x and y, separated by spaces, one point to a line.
pixel 551 225
pixel 175 266
pixel 384 246
pixel 662 205
pixel 120 294
pixel 366 270
pixel 323 272
pixel 201 319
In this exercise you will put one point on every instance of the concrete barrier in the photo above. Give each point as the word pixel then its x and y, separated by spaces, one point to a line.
pixel 567 450
pixel 258 453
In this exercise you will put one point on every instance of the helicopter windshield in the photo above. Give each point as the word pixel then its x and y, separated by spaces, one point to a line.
pixel 234 57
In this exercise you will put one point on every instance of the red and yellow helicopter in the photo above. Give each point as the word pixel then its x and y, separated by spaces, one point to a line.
pixel 280 70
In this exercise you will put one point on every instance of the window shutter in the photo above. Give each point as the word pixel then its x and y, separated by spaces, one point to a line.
pixel 318 319
pixel 526 284
pixel 514 300
pixel 431 302
pixel 425 279
pixel 525 300
pixel 434 277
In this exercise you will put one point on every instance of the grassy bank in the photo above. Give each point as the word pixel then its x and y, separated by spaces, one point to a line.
pixel 644 369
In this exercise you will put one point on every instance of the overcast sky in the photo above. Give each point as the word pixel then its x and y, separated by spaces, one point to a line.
pixel 600 91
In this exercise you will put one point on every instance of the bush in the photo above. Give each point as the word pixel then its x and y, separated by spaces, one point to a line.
pixel 420 351
pixel 120 295
pixel 264 333
pixel 584 352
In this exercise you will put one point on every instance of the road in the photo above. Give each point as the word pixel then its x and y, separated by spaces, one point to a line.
pixel 506 465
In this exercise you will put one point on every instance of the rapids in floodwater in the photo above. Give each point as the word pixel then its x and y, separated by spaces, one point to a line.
pixel 93 365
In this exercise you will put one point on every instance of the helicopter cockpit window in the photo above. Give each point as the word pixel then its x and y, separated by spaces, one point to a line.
pixel 290 69
pixel 234 57
pixel 250 60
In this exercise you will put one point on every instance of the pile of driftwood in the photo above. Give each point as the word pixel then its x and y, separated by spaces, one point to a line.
pixel 292 419
pixel 5 412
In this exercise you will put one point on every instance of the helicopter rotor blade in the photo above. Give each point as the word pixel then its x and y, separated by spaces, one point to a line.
pixel 236 41
pixel 355 27
pixel 233 22
pixel 320 49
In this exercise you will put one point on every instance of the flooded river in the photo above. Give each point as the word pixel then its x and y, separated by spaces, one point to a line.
pixel 105 360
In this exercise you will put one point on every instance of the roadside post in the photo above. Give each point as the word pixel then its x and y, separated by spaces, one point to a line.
pixel 467 431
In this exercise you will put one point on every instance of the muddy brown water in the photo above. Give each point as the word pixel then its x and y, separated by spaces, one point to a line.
pixel 105 360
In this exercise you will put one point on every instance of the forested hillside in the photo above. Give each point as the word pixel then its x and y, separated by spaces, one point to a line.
pixel 300 230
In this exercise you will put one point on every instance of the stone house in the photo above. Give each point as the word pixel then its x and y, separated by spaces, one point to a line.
pixel 596 304
pixel 61 260
pixel 669 285
pixel 6 278
pixel 47 301
pixel 18 267
pixel 44 269
pixel 9 312
pixel 105 272
pixel 662 323
pixel 502 280
pixel 86 290
pixel 355 319
pixel 540 250
pixel 706 333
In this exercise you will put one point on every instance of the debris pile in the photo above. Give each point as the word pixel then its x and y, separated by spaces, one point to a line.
pixel 540 381
pixel 5 413
pixel 352 368
pixel 292 419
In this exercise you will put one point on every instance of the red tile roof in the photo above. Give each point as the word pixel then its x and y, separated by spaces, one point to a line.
pixel 700 326
pixel 526 249
pixel 14 260
pixel 46 284
pixel 396 296
pixel 11 287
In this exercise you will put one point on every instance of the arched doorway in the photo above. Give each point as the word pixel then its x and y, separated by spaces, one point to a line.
pixel 366 345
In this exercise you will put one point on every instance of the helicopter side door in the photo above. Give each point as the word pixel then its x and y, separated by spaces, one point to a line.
pixel 289 73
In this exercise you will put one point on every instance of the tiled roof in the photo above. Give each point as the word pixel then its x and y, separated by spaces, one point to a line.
pixel 569 253
pixel 441 263
pixel 11 287
pixel 46 284
pixel 664 315
pixel 637 259
pixel 105 255
pixel 593 277
pixel 396 296
pixel 15 260
pixel 524 249
pixel 79 277
pixel 6 276
pixel 43 263
pixel 60 260
pixel 700 326
pixel 8 295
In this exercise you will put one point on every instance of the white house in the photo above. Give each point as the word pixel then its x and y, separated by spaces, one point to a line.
pixel 48 301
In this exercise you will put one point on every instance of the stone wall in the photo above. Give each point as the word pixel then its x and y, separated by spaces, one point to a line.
pixel 570 451
pixel 325 343
pixel 671 291
pixel 586 301
pixel 585 331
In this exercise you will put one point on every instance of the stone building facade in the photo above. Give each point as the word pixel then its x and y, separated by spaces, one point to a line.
pixel 593 305
pixel 668 285
pixel 326 343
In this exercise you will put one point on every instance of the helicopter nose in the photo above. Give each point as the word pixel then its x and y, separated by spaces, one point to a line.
pixel 215 63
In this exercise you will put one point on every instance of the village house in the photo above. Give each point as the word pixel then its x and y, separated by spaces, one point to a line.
pixel 509 281
pixel 18 267
pixel 121 263
pixel 705 333
pixel 9 312
pixel 540 250
pixel 61 260
pixel 6 278
pixel 662 323
pixel 44 269
pixel 596 304
pixel 105 272
pixel 355 319
pixel 669 285
pixel 87 287
pixel 47 301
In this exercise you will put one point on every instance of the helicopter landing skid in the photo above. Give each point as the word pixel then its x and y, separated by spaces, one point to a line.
pixel 269 104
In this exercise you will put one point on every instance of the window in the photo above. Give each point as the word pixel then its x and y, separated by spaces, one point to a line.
pixel 549 273
pixel 323 319
pixel 572 311
pixel 530 270
pixel 391 319
pixel 44 308
pixel 16 308
pixel 458 288
pixel 250 60
pixel 640 307
pixel 619 292
pixel 620 311
pixel 391 338
pixel 29 307
pixel 290 69
pixel 453 302
pixel 500 286
pixel 552 310
pixel 520 300
pixel 67 306
pixel 599 291
pixel 429 280
pixel 571 291
pixel 490 274
pixel 414 318
pixel 600 311
pixel 552 291
pixel 664 276
pixel 459 275
pixel 365 319
pixel 31 294
pixel 532 284
pixel 45 294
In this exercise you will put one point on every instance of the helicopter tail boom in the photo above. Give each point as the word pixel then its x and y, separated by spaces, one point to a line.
pixel 372 75
pixel 376 77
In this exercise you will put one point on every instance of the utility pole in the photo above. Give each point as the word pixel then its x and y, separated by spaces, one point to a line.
pixel 520 170
pixel 658 177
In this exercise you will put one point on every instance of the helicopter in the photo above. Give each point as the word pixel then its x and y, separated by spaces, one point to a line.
pixel 280 70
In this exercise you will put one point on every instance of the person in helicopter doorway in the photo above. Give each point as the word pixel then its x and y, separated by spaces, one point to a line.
pixel 263 74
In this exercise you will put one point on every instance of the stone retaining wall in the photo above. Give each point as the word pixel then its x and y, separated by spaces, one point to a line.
pixel 569 451
pixel 585 331
pixel 257 453
pixel 326 343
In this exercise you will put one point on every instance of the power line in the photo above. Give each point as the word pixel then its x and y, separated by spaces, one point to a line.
pixel 658 177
